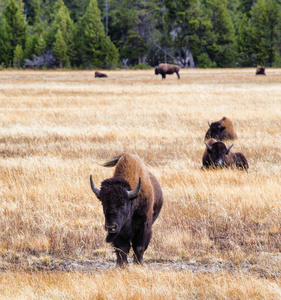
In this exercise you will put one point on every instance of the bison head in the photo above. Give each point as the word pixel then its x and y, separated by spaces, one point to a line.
pixel 217 152
pixel 216 130
pixel 156 71
pixel 116 198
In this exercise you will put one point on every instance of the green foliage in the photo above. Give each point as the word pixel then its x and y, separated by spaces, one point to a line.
pixel 60 48
pixel 6 47
pixel 243 44
pixel 141 66
pixel 106 34
pixel 18 57
pixel 13 30
pixel 40 46
pixel 204 61
pixel 94 48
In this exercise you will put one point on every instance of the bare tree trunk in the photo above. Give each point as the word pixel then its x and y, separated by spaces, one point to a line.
pixel 168 54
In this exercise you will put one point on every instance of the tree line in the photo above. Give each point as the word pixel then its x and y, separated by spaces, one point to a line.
pixel 88 34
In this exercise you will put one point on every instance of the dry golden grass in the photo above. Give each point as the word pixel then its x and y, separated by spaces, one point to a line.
pixel 57 126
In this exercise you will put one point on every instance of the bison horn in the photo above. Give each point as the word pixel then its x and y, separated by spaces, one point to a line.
pixel 230 147
pixel 134 193
pixel 209 124
pixel 208 146
pixel 94 189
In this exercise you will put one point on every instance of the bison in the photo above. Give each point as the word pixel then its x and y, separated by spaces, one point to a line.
pixel 164 69
pixel 260 70
pixel 221 130
pixel 99 74
pixel 217 154
pixel 129 214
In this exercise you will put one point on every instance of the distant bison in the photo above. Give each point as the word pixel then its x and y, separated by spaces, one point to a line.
pixel 217 154
pixel 99 74
pixel 129 214
pixel 221 130
pixel 260 70
pixel 164 69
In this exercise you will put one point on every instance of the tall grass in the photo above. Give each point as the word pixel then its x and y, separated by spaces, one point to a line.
pixel 56 129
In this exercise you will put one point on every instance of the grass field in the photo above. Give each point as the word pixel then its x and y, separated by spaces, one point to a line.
pixel 219 233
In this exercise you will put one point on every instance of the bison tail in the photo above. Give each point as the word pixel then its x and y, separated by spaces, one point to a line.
pixel 113 162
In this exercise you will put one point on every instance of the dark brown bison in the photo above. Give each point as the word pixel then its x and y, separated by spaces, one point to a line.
pixel 260 70
pixel 129 214
pixel 221 130
pixel 164 69
pixel 217 154
pixel 99 74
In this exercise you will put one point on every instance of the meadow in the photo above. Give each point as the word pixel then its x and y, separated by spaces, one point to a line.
pixel 218 234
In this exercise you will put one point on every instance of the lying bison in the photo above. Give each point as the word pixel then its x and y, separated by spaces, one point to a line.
pixel 217 154
pixel 129 214
pixel 99 74
pixel 260 70
pixel 221 130
pixel 164 69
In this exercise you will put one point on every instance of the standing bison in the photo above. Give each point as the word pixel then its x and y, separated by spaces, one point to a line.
pixel 221 130
pixel 99 74
pixel 164 69
pixel 129 214
pixel 260 70
pixel 217 154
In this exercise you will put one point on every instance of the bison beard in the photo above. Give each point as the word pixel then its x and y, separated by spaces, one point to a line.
pixel 129 215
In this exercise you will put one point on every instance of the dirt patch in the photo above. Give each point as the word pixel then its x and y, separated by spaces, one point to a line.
pixel 269 266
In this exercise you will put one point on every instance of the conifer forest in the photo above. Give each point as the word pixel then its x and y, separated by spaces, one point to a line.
pixel 109 34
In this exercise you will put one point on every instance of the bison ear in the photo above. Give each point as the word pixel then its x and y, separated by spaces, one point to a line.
pixel 134 193
pixel 94 189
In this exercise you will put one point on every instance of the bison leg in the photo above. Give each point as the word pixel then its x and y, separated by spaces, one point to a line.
pixel 163 75
pixel 178 75
pixel 140 243
pixel 122 248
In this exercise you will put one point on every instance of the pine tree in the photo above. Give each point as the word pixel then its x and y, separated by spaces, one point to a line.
pixel 94 48
pixel 6 47
pixel 246 56
pixel 259 32
pixel 18 57
pixel 60 48
pixel 134 27
pixel 222 49
pixel 40 46
pixel 189 29
pixel 62 22
pixel 15 20
pixel 13 30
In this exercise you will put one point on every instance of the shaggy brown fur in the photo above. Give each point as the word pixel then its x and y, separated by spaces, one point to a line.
pixel 164 69
pixel 129 221
pixel 221 130
pixel 99 74
pixel 221 156
pixel 260 70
